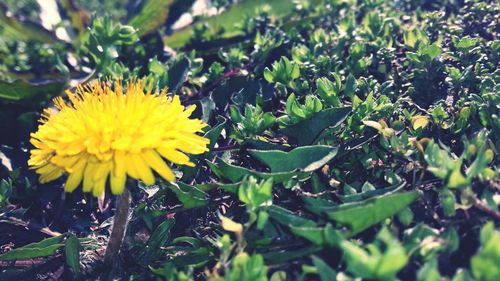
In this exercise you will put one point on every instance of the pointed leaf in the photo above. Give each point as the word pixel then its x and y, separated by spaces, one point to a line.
pixel 152 16
pixel 307 131
pixel 305 158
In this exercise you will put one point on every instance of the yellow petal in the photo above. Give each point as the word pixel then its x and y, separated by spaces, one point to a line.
pixel 175 156
pixel 129 165
pixel 64 161
pixel 75 177
pixel 99 186
pixel 117 182
pixel 118 177
pixel 143 169
pixel 154 160
pixel 102 170
pixel 47 169
pixel 52 175
pixel 88 176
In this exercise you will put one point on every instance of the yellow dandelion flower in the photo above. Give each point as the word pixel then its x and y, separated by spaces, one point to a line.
pixel 106 132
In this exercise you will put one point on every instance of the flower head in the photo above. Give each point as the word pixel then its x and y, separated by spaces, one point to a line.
pixel 107 132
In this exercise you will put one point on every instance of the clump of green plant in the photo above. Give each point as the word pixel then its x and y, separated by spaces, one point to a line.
pixel 253 123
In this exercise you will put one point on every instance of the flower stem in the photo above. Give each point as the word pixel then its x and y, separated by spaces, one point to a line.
pixel 120 223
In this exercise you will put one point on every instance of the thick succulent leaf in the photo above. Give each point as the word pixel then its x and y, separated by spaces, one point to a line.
pixel 285 254
pixel 304 158
pixel 44 248
pixel 177 74
pixel 236 14
pixel 325 272
pixel 360 215
pixel 153 15
pixel 305 228
pixel 72 253
pixel 159 238
pixel 234 173
pixel 190 196
pixel 307 131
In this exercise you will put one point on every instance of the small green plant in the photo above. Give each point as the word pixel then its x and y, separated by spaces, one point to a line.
pixel 244 267
pixel 103 43
pixel 283 74
pixel 484 263
pixel 329 91
pixel 253 123
pixel 296 112
pixel 381 260
pixel 256 196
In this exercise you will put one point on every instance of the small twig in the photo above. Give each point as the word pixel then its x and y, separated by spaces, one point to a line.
pixel 483 208
pixel 30 225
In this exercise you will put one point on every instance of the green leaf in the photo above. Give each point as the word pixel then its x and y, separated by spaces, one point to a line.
pixel 304 158
pixel 467 42
pixel 350 86
pixel 413 57
pixel 281 256
pixel 72 253
pixel 177 74
pixel 78 17
pixel 429 272
pixel 325 272
pixel 375 261
pixel 305 228
pixel 27 93
pixel 353 197
pixel 213 135
pixel 293 107
pixel 197 257
pixel 29 253
pixel 215 132
pixel 190 196
pixel 222 94
pixel 484 264
pixel 44 248
pixel 360 215
pixel 328 91
pixel 24 30
pixel 234 173
pixel 158 239
pixel 287 217
pixel 233 16
pixel 268 75
pixel 256 194
pixel 307 131
pixel 433 51
pixel 153 15
pixel 278 276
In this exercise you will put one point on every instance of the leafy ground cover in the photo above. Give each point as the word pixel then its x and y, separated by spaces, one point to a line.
pixel 349 140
